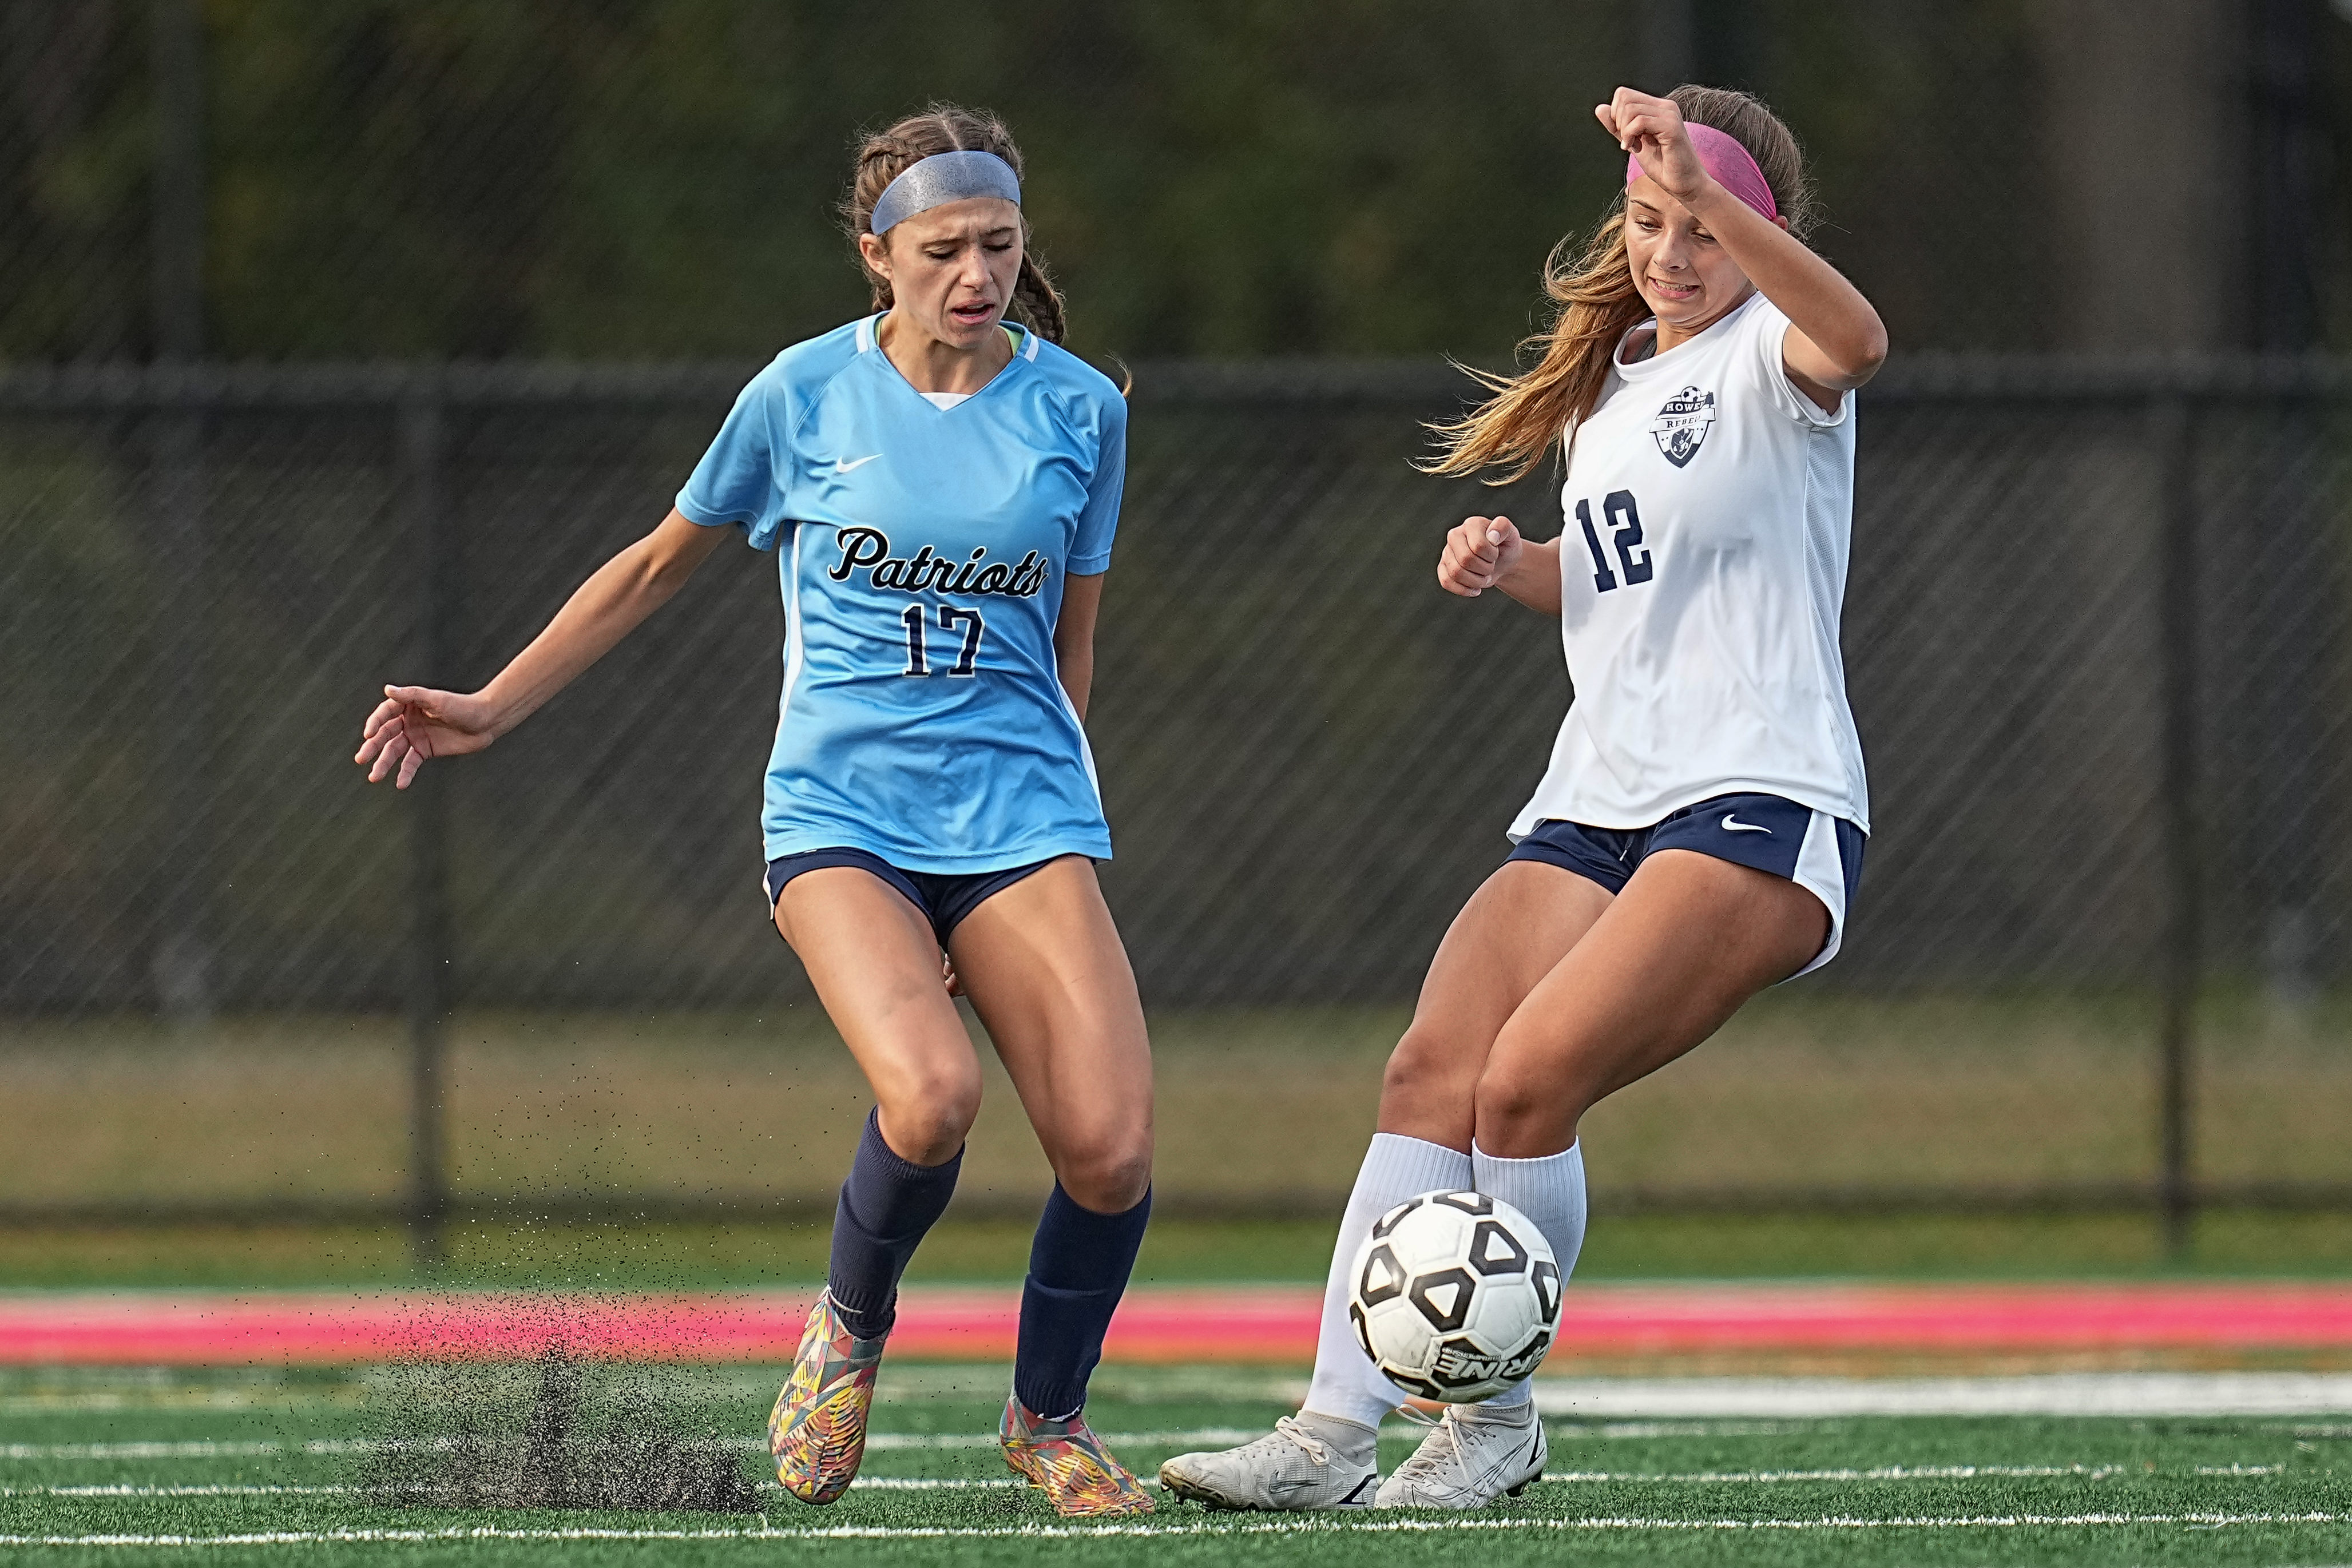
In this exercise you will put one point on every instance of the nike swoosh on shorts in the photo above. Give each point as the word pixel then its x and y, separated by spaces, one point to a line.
pixel 1733 825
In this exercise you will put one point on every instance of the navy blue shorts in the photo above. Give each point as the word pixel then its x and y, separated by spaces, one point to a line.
pixel 1819 852
pixel 944 899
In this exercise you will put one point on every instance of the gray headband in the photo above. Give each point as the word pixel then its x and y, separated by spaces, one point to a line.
pixel 944 177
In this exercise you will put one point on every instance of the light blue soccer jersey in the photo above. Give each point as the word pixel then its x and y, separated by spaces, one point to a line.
pixel 923 552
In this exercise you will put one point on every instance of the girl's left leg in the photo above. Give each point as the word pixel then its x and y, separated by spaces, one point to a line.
pixel 1043 966
pixel 1682 948
pixel 874 961
pixel 1676 954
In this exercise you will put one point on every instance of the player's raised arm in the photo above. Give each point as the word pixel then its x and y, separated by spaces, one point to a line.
pixel 1706 452
pixel 413 723
pixel 1836 341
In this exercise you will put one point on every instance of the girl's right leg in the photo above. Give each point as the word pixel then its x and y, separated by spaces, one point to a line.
pixel 875 962
pixel 1515 929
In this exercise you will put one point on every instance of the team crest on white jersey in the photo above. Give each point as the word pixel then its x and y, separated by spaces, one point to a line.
pixel 1682 424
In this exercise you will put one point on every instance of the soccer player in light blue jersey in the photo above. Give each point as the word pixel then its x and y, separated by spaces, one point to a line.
pixel 940 488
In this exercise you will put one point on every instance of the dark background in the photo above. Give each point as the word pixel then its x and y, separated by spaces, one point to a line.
pixel 656 179
pixel 339 342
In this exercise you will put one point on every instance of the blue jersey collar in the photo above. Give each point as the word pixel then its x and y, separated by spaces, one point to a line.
pixel 869 341
pixel 1025 342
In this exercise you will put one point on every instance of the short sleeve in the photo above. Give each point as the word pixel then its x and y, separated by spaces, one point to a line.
pixel 1771 339
pixel 740 479
pixel 1090 550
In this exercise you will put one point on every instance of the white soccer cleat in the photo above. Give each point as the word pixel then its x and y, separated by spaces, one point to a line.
pixel 1307 1462
pixel 1473 1455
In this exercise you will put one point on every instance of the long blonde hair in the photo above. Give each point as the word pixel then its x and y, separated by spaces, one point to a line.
pixel 1592 289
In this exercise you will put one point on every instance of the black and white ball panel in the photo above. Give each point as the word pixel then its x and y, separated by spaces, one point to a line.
pixel 1454 1296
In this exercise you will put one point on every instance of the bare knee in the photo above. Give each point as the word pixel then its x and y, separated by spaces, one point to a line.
pixel 1428 1087
pixel 927 1114
pixel 1107 1172
pixel 1525 1109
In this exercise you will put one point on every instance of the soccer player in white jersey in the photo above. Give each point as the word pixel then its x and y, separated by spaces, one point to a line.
pixel 1699 832
pixel 942 489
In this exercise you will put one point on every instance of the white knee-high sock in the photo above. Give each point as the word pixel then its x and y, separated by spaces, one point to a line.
pixel 1549 1190
pixel 1395 1168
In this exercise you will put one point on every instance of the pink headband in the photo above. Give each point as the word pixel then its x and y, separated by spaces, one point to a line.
pixel 1733 166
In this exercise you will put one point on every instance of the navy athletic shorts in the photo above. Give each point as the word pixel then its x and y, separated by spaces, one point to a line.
pixel 1819 852
pixel 944 899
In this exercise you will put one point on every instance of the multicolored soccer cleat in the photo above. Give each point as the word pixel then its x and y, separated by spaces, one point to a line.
pixel 1069 1464
pixel 816 1433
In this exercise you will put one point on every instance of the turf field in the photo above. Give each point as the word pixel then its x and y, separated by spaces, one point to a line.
pixel 291 1463
pixel 162 1468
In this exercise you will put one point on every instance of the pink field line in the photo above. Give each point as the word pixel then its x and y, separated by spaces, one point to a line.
pixel 1231 1323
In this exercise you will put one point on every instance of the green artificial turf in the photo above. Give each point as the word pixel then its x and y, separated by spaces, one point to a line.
pixel 1916 1491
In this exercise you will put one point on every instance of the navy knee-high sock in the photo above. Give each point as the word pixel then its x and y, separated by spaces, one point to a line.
pixel 1078 1267
pixel 886 1206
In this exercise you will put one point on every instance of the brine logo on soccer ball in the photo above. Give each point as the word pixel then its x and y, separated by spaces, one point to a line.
pixel 868 550
pixel 1460 1364
pixel 1682 424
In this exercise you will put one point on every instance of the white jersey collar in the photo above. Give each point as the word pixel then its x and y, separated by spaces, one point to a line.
pixel 1685 349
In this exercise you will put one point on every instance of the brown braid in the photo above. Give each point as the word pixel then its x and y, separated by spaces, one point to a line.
pixel 1040 302
pixel 883 156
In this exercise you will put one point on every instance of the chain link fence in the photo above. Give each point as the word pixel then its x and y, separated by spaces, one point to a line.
pixel 2095 633
pixel 465 178
pixel 2097 622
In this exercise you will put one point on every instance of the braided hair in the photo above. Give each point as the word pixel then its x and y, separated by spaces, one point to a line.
pixel 886 155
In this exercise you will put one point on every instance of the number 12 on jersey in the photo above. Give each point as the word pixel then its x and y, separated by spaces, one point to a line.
pixel 952 619
pixel 1624 518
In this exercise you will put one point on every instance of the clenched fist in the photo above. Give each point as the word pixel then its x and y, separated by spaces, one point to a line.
pixel 1478 555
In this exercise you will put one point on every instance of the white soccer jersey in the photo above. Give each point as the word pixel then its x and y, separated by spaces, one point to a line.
pixel 1706 515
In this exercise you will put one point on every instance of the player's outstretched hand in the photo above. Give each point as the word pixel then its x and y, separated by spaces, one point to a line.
pixel 415 722
pixel 1478 555
pixel 1651 129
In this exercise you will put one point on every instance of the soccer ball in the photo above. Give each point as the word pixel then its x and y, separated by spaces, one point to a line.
pixel 1454 1296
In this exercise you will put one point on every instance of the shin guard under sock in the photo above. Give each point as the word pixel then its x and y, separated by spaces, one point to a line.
pixel 1078 1265
pixel 1549 1190
pixel 887 1207
pixel 1395 1168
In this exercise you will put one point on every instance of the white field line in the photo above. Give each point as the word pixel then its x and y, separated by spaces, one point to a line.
pixel 175 1492
pixel 191 1399
pixel 193 1450
pixel 1635 1429
pixel 1225 1437
pixel 1884 1473
pixel 150 1450
pixel 875 1442
pixel 984 1483
pixel 863 1483
pixel 1278 1527
pixel 2062 1394
pixel 885 1442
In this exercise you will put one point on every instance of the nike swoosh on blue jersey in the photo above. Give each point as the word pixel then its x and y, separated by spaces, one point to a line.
pixel 845 465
